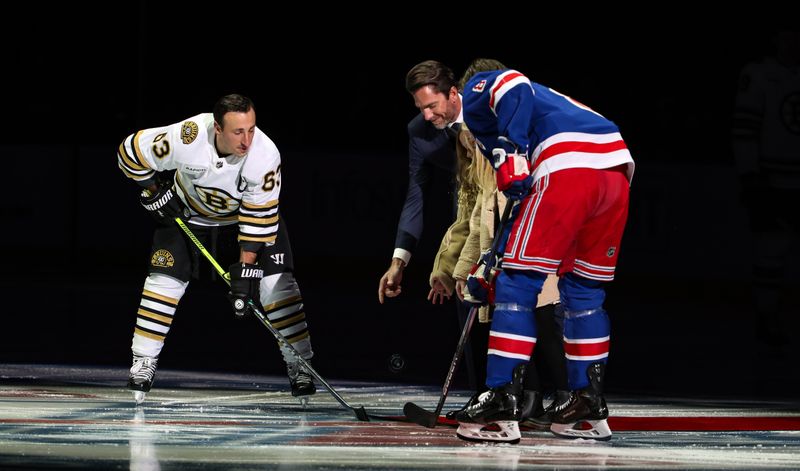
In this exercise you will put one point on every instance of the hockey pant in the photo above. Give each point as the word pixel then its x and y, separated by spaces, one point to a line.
pixel 587 330
pixel 172 264
pixel 280 298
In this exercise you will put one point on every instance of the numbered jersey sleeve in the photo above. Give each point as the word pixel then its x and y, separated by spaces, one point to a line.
pixel 218 190
pixel 261 182
pixel 148 151
pixel 498 109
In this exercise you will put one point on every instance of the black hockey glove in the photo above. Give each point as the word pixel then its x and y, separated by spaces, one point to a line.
pixel 245 278
pixel 164 205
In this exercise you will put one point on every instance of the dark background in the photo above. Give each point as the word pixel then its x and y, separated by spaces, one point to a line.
pixel 329 91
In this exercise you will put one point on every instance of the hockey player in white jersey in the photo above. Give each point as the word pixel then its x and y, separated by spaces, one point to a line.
pixel 766 147
pixel 221 174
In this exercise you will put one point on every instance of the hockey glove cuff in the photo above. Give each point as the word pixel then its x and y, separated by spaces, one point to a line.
pixel 480 282
pixel 513 173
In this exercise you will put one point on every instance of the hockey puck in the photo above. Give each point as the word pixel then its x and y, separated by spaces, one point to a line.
pixel 396 363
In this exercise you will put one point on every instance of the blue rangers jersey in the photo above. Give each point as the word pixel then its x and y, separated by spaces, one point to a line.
pixel 217 190
pixel 504 109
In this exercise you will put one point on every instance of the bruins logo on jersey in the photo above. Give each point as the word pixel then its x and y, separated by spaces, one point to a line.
pixel 216 201
pixel 162 258
pixel 188 132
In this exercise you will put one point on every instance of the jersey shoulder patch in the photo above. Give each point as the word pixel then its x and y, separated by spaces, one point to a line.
pixel 189 131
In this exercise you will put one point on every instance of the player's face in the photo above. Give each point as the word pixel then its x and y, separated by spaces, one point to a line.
pixel 235 133
pixel 438 108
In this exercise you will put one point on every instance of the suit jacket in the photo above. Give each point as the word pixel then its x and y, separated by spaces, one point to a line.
pixel 428 148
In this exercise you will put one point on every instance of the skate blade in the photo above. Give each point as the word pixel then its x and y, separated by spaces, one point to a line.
pixel 303 401
pixel 138 396
pixel 591 429
pixel 530 424
pixel 508 432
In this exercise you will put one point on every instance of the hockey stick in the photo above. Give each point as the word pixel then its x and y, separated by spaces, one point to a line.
pixel 428 419
pixel 360 412
pixel 420 416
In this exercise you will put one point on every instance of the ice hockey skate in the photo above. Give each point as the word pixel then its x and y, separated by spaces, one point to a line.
pixel 141 376
pixel 301 381
pixel 539 417
pixel 451 415
pixel 585 414
pixel 496 413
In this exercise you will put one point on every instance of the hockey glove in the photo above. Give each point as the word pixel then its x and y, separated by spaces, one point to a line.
pixel 513 173
pixel 480 281
pixel 164 205
pixel 245 278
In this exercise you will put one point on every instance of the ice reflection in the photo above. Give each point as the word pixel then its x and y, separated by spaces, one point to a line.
pixel 142 444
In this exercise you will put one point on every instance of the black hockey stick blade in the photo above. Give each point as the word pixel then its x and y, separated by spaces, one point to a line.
pixel 387 418
pixel 361 413
pixel 420 416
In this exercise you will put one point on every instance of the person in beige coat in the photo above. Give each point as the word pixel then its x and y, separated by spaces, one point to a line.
pixel 479 209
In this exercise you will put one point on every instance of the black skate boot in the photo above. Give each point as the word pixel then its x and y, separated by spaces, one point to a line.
pixel 496 408
pixel 472 400
pixel 301 381
pixel 585 414
pixel 540 417
pixel 141 378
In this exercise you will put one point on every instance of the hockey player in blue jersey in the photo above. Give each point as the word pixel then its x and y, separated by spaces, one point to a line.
pixel 570 169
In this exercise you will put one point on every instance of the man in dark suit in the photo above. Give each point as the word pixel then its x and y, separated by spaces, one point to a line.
pixel 431 146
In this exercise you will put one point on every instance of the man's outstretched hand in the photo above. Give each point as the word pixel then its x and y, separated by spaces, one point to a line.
pixel 390 284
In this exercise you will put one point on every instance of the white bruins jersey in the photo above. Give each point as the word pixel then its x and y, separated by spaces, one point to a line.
pixel 218 191
pixel 766 128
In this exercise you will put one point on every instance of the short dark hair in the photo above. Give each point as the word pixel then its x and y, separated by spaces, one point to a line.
pixel 479 65
pixel 432 73
pixel 233 102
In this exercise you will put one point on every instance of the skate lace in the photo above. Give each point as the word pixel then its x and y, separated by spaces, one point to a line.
pixel 485 396
pixel 144 368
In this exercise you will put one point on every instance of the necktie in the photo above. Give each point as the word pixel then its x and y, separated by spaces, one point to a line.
pixel 453 130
